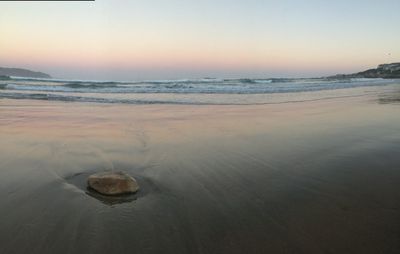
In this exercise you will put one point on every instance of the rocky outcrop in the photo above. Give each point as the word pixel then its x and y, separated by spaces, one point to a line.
pixel 382 71
pixel 22 73
pixel 113 183
pixel 393 67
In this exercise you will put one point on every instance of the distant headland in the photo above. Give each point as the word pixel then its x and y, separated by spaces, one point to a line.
pixel 391 70
pixel 18 72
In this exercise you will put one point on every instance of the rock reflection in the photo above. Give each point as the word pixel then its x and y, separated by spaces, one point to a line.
pixel 390 98
pixel 112 200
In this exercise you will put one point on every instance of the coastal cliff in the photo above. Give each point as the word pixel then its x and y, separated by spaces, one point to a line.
pixel 382 71
pixel 22 73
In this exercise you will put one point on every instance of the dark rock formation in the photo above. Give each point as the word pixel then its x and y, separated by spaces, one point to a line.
pixel 113 183
pixel 382 71
pixel 22 73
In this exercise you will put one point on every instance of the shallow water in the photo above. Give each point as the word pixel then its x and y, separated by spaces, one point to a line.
pixel 308 177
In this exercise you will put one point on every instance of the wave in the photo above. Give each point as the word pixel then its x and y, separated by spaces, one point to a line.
pixel 191 81
pixel 68 98
pixel 3 77
pixel 183 91
pixel 91 85
pixel 232 86
pixel 63 98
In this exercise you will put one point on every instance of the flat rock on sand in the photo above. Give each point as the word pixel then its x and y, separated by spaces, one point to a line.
pixel 113 183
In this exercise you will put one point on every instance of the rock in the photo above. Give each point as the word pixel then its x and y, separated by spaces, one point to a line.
pixel 113 183
pixel 18 72
pixel 389 71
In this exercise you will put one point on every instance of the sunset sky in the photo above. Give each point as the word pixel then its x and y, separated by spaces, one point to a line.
pixel 159 39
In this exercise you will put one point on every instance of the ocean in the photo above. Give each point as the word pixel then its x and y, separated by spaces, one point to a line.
pixel 210 91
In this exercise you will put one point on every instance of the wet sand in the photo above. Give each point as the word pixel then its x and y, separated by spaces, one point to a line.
pixel 309 177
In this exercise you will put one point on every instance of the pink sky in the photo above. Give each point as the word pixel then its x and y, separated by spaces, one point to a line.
pixel 152 39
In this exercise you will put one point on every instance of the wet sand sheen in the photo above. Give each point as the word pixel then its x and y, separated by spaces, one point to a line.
pixel 314 177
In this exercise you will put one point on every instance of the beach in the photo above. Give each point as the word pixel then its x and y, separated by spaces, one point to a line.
pixel 318 176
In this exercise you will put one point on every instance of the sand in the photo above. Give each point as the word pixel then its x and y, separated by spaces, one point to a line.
pixel 308 177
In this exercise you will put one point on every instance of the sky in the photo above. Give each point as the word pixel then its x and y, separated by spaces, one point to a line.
pixel 165 39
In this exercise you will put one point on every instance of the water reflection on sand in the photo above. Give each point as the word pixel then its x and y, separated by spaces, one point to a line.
pixel 315 177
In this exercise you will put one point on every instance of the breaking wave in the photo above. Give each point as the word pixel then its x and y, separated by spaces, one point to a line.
pixel 129 91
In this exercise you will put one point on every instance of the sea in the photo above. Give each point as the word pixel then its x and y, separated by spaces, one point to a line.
pixel 209 91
